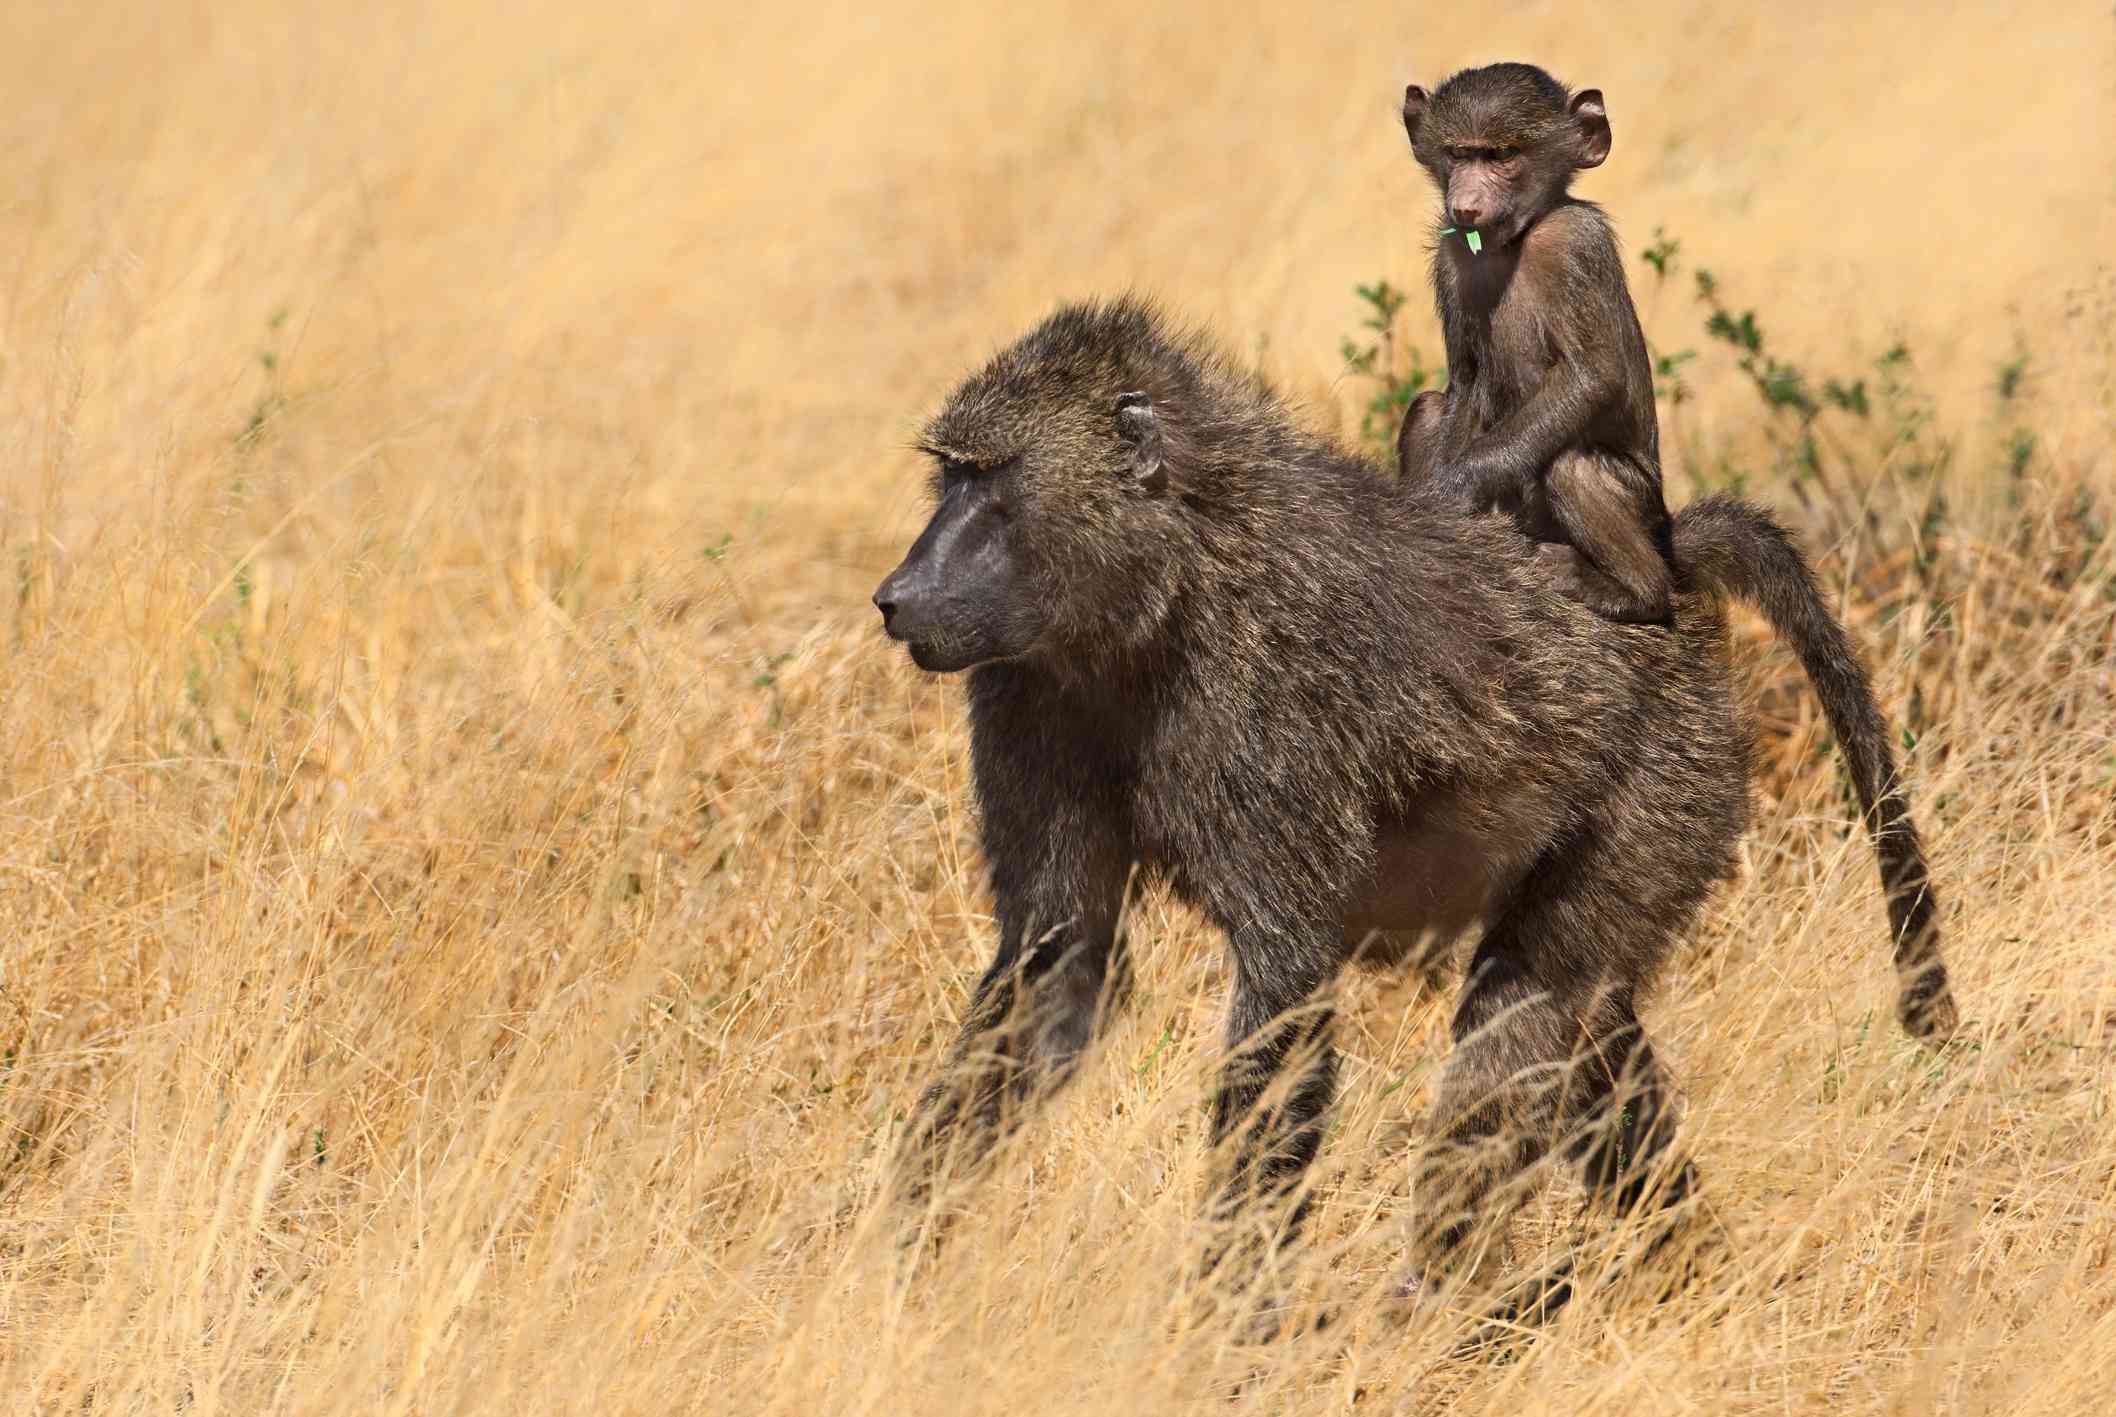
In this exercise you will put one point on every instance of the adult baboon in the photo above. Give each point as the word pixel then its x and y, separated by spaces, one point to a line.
pixel 1548 411
pixel 1219 650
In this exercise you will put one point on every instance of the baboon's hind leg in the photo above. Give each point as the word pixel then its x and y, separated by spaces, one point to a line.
pixel 1549 1055
pixel 1625 1122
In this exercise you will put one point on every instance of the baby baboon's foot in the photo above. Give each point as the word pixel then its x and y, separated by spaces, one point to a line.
pixel 1578 580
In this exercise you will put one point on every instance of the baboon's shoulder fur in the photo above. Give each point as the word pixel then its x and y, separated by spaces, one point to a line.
pixel 1290 633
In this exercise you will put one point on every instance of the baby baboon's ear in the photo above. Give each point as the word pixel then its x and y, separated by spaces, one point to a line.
pixel 1415 100
pixel 1139 428
pixel 1590 129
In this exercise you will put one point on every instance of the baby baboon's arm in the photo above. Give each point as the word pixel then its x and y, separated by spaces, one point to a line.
pixel 1584 398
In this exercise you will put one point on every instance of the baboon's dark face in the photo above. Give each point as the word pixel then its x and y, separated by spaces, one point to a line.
pixel 962 596
pixel 1058 531
pixel 1502 143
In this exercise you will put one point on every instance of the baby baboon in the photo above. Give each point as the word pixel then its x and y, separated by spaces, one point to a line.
pixel 1548 412
pixel 1209 647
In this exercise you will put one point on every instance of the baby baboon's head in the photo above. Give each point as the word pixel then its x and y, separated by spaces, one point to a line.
pixel 1502 143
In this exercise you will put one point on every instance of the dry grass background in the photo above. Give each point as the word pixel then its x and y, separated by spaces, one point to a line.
pixel 475 889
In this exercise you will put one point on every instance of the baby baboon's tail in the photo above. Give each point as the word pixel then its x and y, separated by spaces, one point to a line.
pixel 1730 547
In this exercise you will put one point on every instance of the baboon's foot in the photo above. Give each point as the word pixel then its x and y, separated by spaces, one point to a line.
pixel 1279 1319
pixel 1530 1303
pixel 918 1240
pixel 1679 1251
pixel 918 1216
pixel 1523 1308
pixel 1245 1285
pixel 1685 1247
pixel 1464 1284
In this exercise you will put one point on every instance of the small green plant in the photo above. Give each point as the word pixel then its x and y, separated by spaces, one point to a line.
pixel 2020 451
pixel 1396 369
pixel 769 677
pixel 1788 392
pixel 1661 254
pixel 2019 447
pixel 1787 389
pixel 2011 373
pixel 1668 384
pixel 1153 1055
pixel 273 400
pixel 1781 385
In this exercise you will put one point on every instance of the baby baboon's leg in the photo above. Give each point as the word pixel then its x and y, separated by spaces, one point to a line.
pixel 1612 516
pixel 1418 440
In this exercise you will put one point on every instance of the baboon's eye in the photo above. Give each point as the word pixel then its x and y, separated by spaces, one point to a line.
pixel 1505 154
pixel 954 469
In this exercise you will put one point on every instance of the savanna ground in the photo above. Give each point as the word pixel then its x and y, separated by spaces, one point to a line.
pixel 476 891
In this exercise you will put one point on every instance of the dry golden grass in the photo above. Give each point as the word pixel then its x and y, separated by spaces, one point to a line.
pixel 475 889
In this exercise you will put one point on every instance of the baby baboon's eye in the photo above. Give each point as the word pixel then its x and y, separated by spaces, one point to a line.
pixel 1506 154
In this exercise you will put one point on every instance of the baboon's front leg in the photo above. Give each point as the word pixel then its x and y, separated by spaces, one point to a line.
pixel 1267 1117
pixel 1031 1016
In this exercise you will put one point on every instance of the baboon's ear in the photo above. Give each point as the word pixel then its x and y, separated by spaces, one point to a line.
pixel 1590 129
pixel 1139 428
pixel 1415 100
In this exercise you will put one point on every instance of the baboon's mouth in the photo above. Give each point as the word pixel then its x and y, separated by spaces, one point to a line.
pixel 936 655
pixel 1471 237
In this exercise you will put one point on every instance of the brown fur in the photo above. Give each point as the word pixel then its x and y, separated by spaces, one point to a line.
pixel 1548 411
pixel 1318 704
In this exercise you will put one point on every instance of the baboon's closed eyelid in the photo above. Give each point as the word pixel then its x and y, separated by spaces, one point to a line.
pixel 952 465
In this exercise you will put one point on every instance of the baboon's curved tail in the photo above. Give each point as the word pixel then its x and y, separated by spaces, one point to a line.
pixel 1731 547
